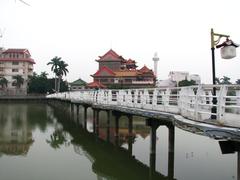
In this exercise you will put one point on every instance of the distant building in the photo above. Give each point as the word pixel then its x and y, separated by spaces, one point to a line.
pixel 116 72
pixel 195 77
pixel 177 76
pixel 166 83
pixel 77 85
pixel 15 62
pixel 95 85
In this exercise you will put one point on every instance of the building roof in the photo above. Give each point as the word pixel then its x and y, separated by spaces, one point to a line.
pixel 130 61
pixel 104 70
pixel 23 51
pixel 30 60
pixel 144 69
pixel 111 56
pixel 78 82
pixel 17 51
pixel 95 84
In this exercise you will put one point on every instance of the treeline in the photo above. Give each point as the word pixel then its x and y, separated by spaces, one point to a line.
pixel 226 80
pixel 223 80
pixel 41 84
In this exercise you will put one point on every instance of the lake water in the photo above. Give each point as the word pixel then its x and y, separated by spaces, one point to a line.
pixel 39 142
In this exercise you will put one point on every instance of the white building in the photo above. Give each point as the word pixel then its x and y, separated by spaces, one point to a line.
pixel 178 75
pixel 15 62
pixel 195 77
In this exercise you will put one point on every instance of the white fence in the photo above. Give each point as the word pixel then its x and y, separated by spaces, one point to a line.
pixel 192 102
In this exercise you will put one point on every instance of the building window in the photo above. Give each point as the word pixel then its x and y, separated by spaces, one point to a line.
pixel 14 70
pixel 14 84
pixel 1 68
pixel 15 63
pixel 128 80
pixel 104 80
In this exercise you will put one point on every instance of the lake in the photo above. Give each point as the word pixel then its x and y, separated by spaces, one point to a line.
pixel 40 142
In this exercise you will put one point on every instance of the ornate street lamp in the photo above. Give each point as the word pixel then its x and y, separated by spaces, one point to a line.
pixel 228 51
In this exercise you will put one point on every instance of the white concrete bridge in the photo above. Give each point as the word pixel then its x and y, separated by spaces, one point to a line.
pixel 192 102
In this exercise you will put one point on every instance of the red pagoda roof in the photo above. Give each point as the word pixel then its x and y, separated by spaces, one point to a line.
pixel 111 56
pixel 104 69
pixel 130 61
pixel 17 51
pixel 144 69
pixel 95 84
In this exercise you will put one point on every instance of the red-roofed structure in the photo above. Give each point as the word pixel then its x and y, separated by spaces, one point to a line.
pixel 111 56
pixel 15 62
pixel 116 72
pixel 95 85
pixel 104 71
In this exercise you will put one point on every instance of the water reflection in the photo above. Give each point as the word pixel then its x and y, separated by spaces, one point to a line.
pixel 230 147
pixel 108 160
pixel 16 124
pixel 53 137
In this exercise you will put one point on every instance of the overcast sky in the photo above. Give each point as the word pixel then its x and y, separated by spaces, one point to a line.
pixel 80 31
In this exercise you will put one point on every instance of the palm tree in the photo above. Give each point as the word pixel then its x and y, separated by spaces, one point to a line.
pixel 3 82
pixel 62 71
pixel 18 80
pixel 238 81
pixel 225 80
pixel 44 74
pixel 55 64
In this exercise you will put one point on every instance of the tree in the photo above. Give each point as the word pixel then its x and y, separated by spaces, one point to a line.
pixel 3 82
pixel 44 74
pixel 59 67
pixel 62 71
pixel 238 81
pixel 54 68
pixel 186 83
pixel 41 84
pixel 18 80
pixel 223 80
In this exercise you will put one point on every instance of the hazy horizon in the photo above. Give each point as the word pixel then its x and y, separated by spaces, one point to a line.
pixel 80 31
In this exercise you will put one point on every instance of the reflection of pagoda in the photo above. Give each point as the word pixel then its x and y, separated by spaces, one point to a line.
pixel 15 136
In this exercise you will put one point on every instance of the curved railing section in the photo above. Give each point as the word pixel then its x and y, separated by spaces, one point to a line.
pixel 192 102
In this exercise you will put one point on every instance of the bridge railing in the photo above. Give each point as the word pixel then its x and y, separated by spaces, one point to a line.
pixel 192 102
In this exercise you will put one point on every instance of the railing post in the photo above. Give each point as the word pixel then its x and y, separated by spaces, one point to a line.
pixel 197 102
pixel 238 101
pixel 221 103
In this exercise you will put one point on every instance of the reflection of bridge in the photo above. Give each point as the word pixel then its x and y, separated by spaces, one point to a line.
pixel 111 162
pixel 195 102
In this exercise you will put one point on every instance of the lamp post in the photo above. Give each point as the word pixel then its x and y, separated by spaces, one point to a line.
pixel 228 51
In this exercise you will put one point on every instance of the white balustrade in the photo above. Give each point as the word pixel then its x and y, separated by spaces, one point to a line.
pixel 192 102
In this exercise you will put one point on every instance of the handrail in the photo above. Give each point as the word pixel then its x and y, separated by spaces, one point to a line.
pixel 192 102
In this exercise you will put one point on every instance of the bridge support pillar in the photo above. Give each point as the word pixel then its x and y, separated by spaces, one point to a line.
pixel 154 124
pixel 171 141
pixel 94 121
pixel 71 111
pixel 117 117
pixel 77 114
pixel 97 122
pixel 130 133
pixel 85 117
pixel 108 125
